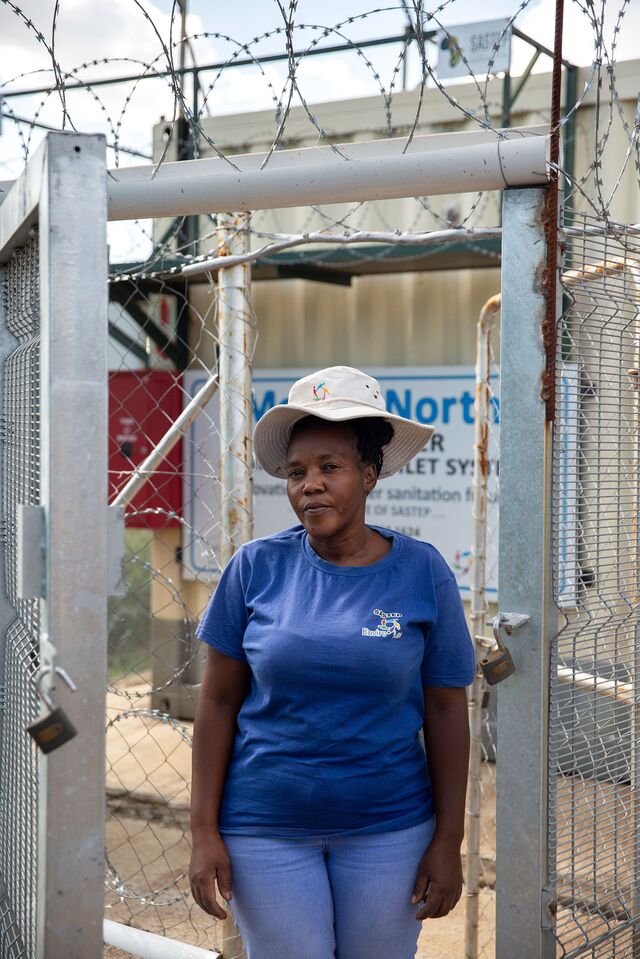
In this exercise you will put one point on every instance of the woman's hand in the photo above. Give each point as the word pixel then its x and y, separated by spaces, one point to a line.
pixel 210 863
pixel 438 884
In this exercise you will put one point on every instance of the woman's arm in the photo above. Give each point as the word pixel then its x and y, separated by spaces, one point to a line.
pixel 446 734
pixel 224 688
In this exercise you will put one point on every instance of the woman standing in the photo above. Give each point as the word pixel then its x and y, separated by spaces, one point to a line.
pixel 332 644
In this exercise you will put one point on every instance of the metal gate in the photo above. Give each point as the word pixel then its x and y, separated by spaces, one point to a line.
pixel 568 843
pixel 53 597
pixel 594 842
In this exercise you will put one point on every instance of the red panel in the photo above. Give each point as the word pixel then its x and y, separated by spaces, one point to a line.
pixel 142 407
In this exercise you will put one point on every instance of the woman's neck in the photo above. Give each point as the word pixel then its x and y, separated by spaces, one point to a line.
pixel 359 547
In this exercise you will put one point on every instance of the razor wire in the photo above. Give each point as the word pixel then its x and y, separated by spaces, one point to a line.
pixel 163 327
pixel 78 94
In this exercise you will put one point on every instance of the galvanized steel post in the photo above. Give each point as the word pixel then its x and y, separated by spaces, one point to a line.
pixel 524 902
pixel 478 613
pixel 73 385
pixel 236 338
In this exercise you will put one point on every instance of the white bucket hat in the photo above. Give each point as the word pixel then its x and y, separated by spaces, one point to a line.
pixel 337 394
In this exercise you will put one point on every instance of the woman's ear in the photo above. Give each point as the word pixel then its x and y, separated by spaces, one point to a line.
pixel 370 478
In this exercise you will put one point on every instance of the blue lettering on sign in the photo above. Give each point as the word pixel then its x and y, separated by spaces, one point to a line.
pixel 395 404
pixel 429 417
pixel 425 409
pixel 268 402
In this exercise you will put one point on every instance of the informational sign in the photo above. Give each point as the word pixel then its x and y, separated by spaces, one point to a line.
pixel 429 499
pixel 470 49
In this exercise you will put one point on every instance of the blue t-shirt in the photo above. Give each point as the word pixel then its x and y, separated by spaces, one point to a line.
pixel 328 738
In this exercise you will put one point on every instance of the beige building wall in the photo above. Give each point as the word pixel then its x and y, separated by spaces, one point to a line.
pixel 403 319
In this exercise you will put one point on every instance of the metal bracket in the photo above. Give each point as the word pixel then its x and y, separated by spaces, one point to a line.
pixel 115 550
pixel 549 908
pixel 31 547
pixel 55 671
pixel 505 624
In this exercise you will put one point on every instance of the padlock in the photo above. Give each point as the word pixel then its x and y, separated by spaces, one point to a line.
pixel 497 665
pixel 55 728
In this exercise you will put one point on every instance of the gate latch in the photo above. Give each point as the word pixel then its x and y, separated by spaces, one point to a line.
pixel 498 664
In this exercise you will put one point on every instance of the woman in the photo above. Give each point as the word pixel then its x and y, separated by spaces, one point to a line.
pixel 331 645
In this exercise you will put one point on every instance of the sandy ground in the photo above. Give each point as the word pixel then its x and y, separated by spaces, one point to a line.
pixel 148 845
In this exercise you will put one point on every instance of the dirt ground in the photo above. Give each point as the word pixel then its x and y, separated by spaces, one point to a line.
pixel 148 845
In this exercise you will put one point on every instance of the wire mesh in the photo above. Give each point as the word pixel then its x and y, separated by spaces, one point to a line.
pixel 171 563
pixel 593 829
pixel 19 657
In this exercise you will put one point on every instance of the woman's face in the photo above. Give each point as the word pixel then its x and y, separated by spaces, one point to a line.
pixel 327 485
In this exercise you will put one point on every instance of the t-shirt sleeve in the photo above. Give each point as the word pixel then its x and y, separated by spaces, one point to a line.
pixel 225 619
pixel 449 658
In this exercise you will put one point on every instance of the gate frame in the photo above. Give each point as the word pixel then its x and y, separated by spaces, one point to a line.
pixel 524 900
pixel 63 193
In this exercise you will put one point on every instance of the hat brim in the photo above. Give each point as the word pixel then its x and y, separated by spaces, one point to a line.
pixel 273 432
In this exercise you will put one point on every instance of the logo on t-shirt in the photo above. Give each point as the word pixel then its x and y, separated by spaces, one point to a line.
pixel 388 625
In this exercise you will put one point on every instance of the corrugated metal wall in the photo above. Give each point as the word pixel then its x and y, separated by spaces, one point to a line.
pixel 387 320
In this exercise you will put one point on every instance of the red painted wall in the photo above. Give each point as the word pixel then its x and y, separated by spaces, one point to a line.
pixel 142 407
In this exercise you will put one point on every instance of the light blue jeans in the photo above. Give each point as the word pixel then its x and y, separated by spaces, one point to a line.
pixel 337 897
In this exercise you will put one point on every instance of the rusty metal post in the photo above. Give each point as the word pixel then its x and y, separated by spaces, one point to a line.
pixel 525 898
pixel 236 334
pixel 478 612
pixel 236 338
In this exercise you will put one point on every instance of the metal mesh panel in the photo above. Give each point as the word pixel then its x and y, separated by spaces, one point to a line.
pixel 593 842
pixel 18 703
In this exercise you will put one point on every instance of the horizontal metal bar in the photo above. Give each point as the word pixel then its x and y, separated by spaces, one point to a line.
pixel 376 170
pixel 354 239
pixel 148 945
pixel 614 689
pixel 225 64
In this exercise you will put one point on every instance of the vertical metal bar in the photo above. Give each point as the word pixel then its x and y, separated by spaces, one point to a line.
pixel 569 147
pixel 73 383
pixel 236 336
pixel 478 613
pixel 506 100
pixel 235 326
pixel 522 910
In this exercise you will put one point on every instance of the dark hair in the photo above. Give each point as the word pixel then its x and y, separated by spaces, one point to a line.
pixel 372 433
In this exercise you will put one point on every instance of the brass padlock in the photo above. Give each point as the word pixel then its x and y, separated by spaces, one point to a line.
pixel 497 665
pixel 55 728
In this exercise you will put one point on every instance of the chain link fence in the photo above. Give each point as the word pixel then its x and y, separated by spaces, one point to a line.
pixel 171 566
